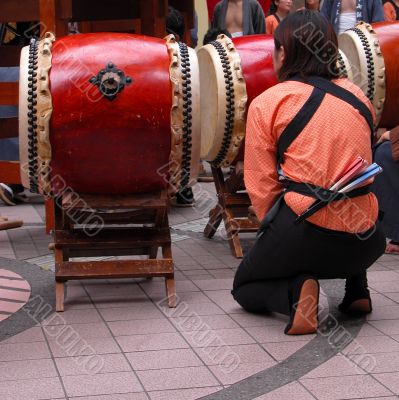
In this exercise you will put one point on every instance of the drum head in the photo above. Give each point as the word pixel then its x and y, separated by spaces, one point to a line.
pixel 223 102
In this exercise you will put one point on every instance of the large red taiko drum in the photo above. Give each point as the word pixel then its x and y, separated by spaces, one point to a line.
pixel 108 113
pixel 373 54
pixel 232 74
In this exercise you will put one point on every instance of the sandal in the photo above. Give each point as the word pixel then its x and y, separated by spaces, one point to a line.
pixel 357 298
pixel 7 195
pixel 304 300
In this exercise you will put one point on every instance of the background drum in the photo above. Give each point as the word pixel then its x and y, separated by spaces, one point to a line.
pixel 108 114
pixel 232 74
pixel 373 54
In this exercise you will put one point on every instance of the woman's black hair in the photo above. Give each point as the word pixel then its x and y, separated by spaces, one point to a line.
pixel 310 45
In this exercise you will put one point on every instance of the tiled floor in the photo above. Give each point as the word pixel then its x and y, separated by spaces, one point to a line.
pixel 116 340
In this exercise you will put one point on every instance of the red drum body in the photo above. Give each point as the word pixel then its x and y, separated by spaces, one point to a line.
pixel 373 54
pixel 115 118
pixel 232 74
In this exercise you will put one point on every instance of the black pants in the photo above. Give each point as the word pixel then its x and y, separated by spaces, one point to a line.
pixel 285 251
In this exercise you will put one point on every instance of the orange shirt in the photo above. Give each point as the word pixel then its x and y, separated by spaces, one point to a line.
pixel 271 24
pixel 389 12
pixel 330 142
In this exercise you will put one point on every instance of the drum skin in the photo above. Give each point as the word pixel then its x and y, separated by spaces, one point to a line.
pixel 388 37
pixel 256 54
pixel 102 146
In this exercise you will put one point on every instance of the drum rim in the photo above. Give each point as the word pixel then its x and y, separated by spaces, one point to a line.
pixel 37 107
pixel 366 38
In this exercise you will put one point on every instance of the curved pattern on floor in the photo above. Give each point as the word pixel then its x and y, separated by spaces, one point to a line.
pixel 14 293
pixel 38 306
pixel 319 350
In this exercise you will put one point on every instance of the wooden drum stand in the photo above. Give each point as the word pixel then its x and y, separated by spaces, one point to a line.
pixel 92 226
pixel 232 207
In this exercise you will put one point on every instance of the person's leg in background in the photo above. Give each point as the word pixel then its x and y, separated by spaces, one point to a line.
pixel 386 188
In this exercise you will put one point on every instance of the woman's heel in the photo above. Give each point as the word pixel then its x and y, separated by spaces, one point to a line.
pixel 305 306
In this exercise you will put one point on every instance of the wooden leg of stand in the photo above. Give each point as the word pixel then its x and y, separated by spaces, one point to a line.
pixel 170 284
pixel 216 216
pixel 171 291
pixel 50 223
pixel 232 235
pixel 59 296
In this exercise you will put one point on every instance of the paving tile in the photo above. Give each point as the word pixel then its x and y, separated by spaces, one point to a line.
pixel 86 385
pixel 217 337
pixel 393 296
pixel 71 346
pixel 27 369
pixel 197 309
pixel 72 317
pixel 125 396
pixel 345 387
pixel 134 300
pixel 368 330
pixel 214 284
pixel 229 374
pixel 390 380
pixel 382 276
pixel 203 322
pixel 160 341
pixel 183 394
pixel 336 366
pixel 161 359
pixel 281 351
pixel 275 333
pixel 31 335
pixel 159 287
pixel 239 354
pixel 381 300
pixel 31 389
pixel 375 344
pixel 23 351
pixel 124 314
pixel 141 327
pixel 387 327
pixel 85 331
pixel 251 320
pixel 177 378
pixel 385 287
pixel 89 365
pixel 385 362
pixel 386 312
pixel 291 391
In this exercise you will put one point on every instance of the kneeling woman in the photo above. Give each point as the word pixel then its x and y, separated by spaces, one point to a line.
pixel 302 135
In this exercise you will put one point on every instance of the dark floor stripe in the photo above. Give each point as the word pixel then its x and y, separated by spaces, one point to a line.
pixel 310 356
pixel 5 312
pixel 14 288
pixel 11 278
pixel 12 300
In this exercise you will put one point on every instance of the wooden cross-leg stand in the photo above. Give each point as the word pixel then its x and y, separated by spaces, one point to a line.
pixel 232 208
pixel 102 226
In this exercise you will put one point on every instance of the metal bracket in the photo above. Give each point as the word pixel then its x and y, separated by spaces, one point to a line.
pixel 111 81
